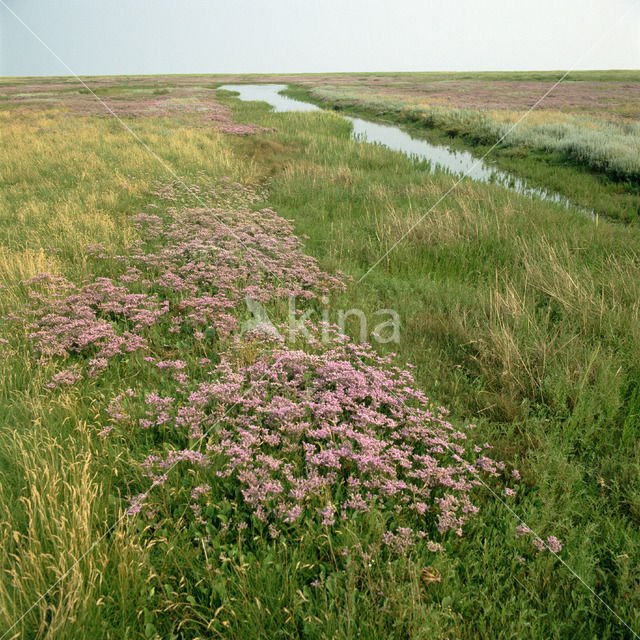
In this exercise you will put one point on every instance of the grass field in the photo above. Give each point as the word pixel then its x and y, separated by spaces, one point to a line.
pixel 519 317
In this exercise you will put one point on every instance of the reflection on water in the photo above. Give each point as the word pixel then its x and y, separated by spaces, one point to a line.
pixel 457 162
pixel 439 157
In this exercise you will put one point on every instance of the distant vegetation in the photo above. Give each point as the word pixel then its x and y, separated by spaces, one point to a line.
pixel 610 147
pixel 594 160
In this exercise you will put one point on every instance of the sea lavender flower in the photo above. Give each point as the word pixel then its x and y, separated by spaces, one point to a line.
pixel 553 544
pixel 135 503
pixel 67 377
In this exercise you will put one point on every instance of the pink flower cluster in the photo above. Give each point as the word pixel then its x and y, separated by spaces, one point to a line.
pixel 89 320
pixel 551 544
pixel 190 273
pixel 328 433
pixel 323 434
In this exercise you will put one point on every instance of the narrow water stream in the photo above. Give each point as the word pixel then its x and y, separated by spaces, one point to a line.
pixel 439 157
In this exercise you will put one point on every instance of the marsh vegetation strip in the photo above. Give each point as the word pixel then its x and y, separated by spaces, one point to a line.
pixel 438 157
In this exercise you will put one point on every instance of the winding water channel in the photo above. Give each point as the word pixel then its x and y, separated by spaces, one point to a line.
pixel 459 163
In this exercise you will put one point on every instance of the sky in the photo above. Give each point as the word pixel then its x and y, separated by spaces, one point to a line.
pixel 114 37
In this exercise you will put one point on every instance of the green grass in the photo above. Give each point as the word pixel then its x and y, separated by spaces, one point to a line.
pixel 519 316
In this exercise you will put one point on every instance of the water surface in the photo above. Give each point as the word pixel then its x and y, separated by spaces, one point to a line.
pixel 269 93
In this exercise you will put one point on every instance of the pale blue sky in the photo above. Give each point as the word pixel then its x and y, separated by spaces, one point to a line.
pixel 239 36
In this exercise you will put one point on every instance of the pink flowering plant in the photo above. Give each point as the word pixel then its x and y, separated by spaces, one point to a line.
pixel 244 433
pixel 193 106
pixel 322 436
pixel 185 281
